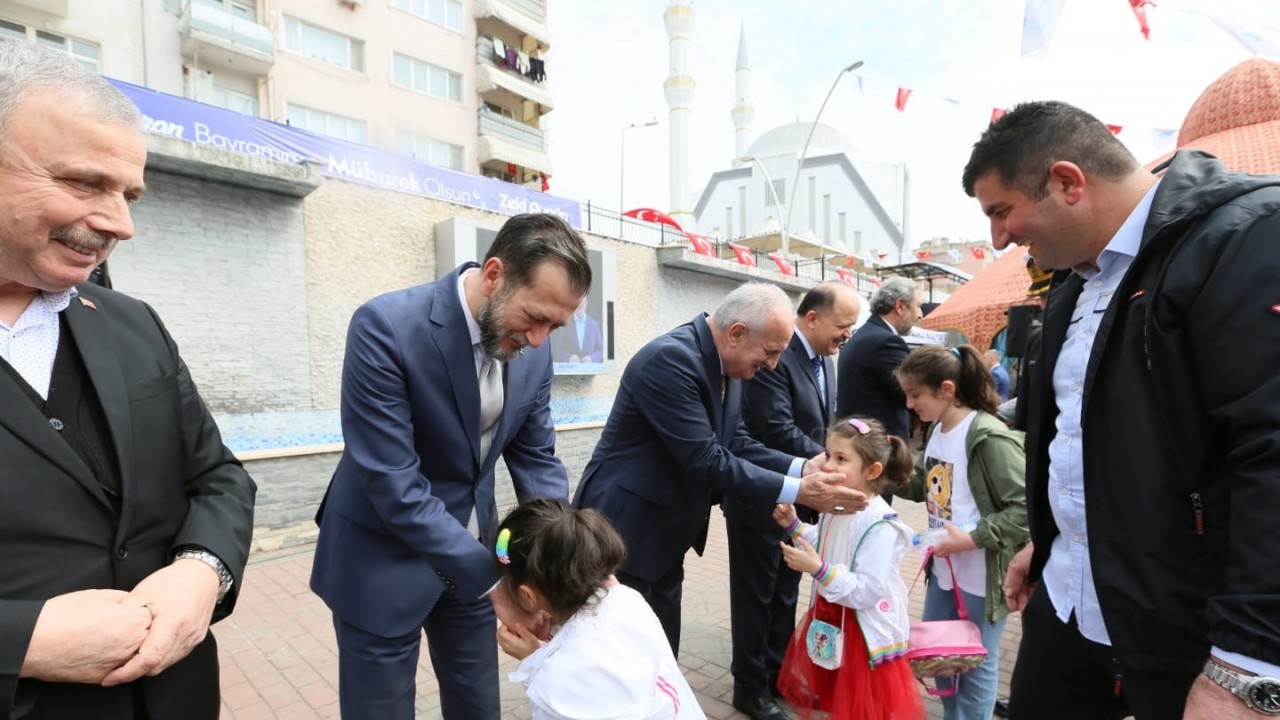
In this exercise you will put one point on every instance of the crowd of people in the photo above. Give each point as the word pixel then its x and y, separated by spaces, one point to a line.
pixel 1128 525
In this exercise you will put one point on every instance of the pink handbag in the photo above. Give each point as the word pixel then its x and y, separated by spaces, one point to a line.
pixel 945 648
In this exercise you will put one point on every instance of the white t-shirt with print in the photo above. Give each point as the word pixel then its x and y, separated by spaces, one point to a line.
pixel 949 499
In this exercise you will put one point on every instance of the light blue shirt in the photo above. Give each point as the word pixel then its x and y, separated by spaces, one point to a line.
pixel 1068 576
pixel 822 374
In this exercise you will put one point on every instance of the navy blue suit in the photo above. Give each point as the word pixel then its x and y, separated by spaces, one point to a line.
pixel 394 550
pixel 669 449
pixel 785 410
pixel 564 342
pixel 867 386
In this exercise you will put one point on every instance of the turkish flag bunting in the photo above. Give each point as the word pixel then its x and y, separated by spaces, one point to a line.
pixel 1115 129
pixel 923 254
pixel 979 253
pixel 743 253
pixel 850 260
pixel 901 102
pixel 845 276
pixel 784 266
pixel 997 113
pixel 1140 12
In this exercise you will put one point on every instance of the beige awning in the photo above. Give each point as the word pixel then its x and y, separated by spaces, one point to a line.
pixel 490 147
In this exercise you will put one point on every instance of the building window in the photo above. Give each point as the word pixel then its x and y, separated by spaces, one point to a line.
pixel 857 241
pixel 826 219
pixel 424 77
pixel 430 150
pixel 445 13
pixel 742 209
pixel 842 223
pixel 775 192
pixel 318 121
pixel 728 222
pixel 86 52
pixel 234 100
pixel 242 10
pixel 323 45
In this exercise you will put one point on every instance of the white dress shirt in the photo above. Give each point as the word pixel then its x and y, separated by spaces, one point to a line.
pixel 31 344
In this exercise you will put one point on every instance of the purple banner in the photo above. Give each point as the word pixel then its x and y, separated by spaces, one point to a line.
pixel 196 122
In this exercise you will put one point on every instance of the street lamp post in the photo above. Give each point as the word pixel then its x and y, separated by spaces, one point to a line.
pixel 786 244
pixel 772 189
pixel 622 162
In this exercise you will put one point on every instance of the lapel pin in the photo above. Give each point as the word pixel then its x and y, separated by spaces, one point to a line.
pixel 1138 294
pixel 88 303
pixel 1275 309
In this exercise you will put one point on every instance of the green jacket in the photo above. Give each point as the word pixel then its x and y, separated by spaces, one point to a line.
pixel 997 479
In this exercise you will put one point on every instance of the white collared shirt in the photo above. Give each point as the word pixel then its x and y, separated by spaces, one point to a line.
pixel 1068 576
pixel 31 344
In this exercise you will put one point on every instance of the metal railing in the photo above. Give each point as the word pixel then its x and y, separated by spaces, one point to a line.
pixel 512 130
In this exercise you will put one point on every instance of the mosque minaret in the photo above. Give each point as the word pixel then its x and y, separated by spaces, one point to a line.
pixel 743 112
pixel 679 88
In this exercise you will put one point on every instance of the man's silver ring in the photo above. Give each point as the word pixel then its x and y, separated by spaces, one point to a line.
pixel 839 508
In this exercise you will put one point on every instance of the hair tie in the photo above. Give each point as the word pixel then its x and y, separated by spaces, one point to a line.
pixel 955 351
pixel 504 541
pixel 860 426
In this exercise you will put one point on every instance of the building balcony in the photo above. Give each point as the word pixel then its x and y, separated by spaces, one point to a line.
pixel 524 17
pixel 504 141
pixel 215 38
pixel 507 88
pixel 57 8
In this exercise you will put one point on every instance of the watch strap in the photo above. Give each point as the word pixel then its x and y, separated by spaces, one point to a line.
pixel 1240 684
pixel 225 579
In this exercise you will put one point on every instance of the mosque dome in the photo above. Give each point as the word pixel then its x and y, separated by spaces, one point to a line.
pixel 789 140
pixel 1237 119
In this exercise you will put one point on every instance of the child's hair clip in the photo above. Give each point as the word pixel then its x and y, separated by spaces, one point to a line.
pixel 504 542
pixel 860 426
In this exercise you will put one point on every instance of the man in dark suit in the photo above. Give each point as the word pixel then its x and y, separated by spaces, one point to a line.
pixel 124 521
pixel 675 440
pixel 438 381
pixel 866 385
pixel 580 341
pixel 787 408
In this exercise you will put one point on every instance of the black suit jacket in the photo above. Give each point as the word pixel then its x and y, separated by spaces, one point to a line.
pixel 670 446
pixel 59 533
pixel 867 387
pixel 785 410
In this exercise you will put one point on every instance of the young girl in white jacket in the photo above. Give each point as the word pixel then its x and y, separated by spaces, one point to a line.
pixel 845 658
pixel 607 657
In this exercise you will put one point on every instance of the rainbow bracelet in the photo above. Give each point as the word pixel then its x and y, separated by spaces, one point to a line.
pixel 825 574
pixel 795 528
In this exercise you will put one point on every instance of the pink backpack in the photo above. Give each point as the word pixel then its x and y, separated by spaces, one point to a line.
pixel 944 648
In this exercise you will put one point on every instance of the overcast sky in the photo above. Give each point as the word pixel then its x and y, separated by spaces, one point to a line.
pixel 961 58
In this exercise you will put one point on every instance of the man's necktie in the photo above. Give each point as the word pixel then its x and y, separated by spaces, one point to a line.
pixel 490 403
pixel 821 378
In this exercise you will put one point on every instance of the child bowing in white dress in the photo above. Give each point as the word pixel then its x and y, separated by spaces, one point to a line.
pixel 607 657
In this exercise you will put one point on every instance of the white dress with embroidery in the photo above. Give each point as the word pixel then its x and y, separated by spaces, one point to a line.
pixel 610 661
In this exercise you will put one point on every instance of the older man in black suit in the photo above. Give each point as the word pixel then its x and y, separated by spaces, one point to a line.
pixel 124 520
pixel 787 408
pixel 675 440
pixel 867 387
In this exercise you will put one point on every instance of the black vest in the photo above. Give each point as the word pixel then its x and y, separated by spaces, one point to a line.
pixel 74 410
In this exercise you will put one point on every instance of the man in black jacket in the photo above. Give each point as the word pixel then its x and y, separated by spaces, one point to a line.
pixel 124 520
pixel 786 408
pixel 867 385
pixel 1153 438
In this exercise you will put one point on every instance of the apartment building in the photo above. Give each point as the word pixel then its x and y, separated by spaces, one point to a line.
pixel 461 84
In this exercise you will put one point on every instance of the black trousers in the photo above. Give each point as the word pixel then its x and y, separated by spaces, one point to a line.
pixel 1061 675
pixel 663 596
pixel 762 607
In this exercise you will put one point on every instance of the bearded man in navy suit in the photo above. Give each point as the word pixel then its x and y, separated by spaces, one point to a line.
pixel 438 381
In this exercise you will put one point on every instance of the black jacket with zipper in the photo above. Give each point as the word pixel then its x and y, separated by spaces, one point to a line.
pixel 1181 426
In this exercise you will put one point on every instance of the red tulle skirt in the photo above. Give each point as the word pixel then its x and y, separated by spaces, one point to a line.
pixel 854 691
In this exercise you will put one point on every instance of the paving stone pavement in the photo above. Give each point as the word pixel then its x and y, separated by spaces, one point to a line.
pixel 279 659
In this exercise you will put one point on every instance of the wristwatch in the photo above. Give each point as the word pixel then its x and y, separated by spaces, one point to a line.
pixel 1261 694
pixel 224 575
